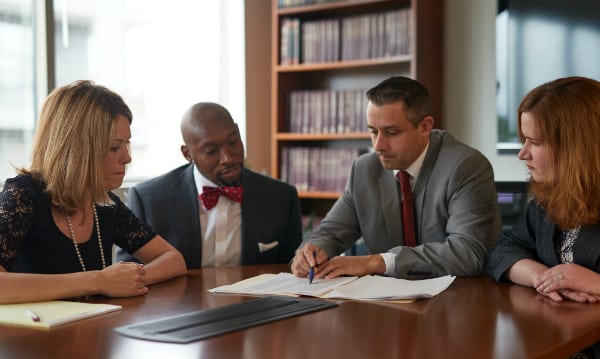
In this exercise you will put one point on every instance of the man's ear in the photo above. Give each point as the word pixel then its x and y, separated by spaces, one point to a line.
pixel 427 123
pixel 185 151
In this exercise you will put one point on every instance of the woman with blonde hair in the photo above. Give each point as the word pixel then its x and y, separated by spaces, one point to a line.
pixel 58 218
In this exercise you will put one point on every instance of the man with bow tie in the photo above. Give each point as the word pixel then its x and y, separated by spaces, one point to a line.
pixel 213 210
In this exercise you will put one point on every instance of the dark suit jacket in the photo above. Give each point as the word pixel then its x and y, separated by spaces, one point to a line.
pixel 533 236
pixel 270 212
pixel 456 212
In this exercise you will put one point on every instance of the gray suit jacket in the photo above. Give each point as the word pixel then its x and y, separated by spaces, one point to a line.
pixel 456 211
pixel 270 212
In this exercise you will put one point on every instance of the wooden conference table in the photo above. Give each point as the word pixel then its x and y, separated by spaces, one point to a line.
pixel 473 318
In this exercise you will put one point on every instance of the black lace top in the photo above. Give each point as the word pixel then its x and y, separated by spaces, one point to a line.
pixel 30 241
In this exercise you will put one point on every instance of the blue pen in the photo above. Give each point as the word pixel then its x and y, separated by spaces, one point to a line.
pixel 311 273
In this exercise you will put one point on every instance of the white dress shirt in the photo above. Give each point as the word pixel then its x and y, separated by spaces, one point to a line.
pixel 221 228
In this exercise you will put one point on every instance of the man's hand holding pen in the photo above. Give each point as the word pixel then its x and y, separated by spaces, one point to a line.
pixel 311 272
pixel 312 262
pixel 307 260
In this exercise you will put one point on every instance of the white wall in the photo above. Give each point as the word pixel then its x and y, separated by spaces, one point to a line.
pixel 470 82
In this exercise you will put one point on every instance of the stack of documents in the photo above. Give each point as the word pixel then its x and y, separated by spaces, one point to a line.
pixel 360 288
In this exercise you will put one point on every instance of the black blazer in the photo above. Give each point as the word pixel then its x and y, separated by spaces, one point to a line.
pixel 270 212
pixel 533 236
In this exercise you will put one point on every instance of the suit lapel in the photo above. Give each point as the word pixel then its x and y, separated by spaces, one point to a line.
pixel 586 249
pixel 548 251
pixel 251 198
pixel 435 144
pixel 184 196
pixel 183 202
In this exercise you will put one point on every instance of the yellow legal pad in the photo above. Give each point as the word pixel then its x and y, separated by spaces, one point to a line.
pixel 51 313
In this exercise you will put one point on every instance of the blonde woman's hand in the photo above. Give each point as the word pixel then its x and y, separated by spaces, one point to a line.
pixel 123 279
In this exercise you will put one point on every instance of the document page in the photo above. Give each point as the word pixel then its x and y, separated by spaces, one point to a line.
pixel 283 284
pixel 369 287
pixel 372 287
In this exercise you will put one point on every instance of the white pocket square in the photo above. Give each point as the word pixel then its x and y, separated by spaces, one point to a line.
pixel 263 247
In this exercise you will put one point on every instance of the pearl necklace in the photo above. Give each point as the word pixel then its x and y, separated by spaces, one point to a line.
pixel 97 233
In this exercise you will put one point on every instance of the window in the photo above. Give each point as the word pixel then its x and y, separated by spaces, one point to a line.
pixel 17 87
pixel 161 56
pixel 538 42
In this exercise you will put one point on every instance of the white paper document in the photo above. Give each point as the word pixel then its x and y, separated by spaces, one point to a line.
pixel 372 287
pixel 283 284
pixel 360 288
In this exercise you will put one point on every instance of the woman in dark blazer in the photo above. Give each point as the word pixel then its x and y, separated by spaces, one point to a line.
pixel 555 246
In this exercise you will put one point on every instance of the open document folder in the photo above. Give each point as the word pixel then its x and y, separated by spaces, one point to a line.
pixel 368 287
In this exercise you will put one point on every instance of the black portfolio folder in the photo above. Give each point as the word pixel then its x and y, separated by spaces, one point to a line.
pixel 203 324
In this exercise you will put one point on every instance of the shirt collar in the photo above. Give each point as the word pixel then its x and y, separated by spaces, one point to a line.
pixel 415 167
pixel 201 181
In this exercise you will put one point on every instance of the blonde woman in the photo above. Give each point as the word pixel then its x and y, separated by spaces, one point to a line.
pixel 58 218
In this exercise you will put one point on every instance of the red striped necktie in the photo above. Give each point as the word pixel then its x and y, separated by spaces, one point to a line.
pixel 408 209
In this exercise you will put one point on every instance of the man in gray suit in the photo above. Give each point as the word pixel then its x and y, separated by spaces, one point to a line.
pixel 213 210
pixel 456 218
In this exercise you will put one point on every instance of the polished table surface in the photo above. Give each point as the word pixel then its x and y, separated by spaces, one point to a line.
pixel 473 318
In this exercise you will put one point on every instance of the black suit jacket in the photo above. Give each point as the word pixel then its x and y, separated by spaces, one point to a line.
pixel 270 212
pixel 532 237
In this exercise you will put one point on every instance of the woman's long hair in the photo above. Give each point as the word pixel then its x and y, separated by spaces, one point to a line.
pixel 566 113
pixel 72 138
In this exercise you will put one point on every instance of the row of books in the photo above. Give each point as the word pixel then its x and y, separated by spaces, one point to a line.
pixel 318 169
pixel 327 111
pixel 377 35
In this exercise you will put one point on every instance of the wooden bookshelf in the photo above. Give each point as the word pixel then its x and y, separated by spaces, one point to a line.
pixel 379 50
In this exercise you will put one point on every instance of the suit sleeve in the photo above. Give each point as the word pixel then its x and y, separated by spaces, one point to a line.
pixel 340 229
pixel 514 246
pixel 135 204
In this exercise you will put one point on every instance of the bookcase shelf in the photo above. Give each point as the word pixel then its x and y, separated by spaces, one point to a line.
pixel 319 195
pixel 339 7
pixel 340 65
pixel 318 117
pixel 285 136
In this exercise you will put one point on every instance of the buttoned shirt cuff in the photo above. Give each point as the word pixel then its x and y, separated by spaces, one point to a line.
pixel 390 263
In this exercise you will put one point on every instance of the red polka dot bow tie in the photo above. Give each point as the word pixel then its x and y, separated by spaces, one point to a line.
pixel 210 195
